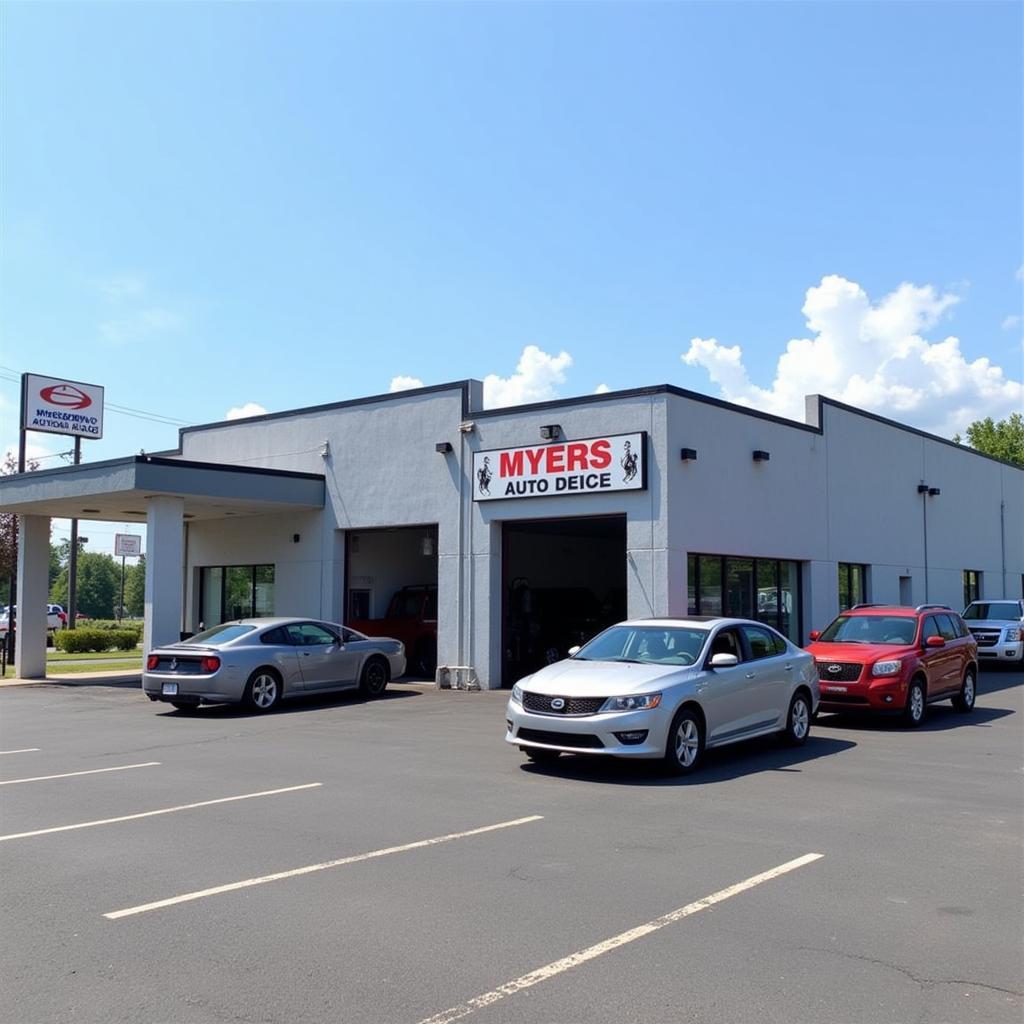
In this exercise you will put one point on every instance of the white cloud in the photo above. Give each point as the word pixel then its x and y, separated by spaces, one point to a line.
pixel 401 383
pixel 1020 273
pixel 1010 322
pixel 535 380
pixel 873 356
pixel 242 411
pixel 602 389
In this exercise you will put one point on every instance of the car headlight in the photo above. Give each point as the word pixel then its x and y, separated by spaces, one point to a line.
pixel 641 702
pixel 886 668
pixel 517 694
pixel 1013 633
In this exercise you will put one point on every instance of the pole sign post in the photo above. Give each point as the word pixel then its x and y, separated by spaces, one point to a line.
pixel 57 406
pixel 593 465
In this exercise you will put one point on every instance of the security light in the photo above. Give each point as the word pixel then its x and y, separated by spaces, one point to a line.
pixel 443 447
pixel 688 454
pixel 922 488
pixel 761 456
pixel 933 491
pixel 550 432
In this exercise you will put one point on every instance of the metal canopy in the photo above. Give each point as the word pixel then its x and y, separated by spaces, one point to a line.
pixel 117 490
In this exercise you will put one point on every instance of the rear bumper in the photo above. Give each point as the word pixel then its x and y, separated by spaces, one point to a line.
pixel 206 689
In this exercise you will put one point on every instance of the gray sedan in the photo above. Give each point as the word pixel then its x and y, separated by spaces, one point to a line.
pixel 260 662
pixel 666 689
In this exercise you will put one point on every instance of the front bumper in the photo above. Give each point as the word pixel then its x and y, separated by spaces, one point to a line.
pixel 1005 650
pixel 589 734
pixel 886 693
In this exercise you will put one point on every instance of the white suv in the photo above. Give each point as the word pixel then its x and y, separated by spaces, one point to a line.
pixel 998 627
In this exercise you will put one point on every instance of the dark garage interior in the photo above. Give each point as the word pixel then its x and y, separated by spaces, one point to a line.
pixel 563 581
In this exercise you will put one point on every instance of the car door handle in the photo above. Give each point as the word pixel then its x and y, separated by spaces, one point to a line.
pixel 750 675
pixel 789 668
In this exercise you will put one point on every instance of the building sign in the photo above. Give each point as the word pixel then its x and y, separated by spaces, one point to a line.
pixel 128 544
pixel 590 466
pixel 57 406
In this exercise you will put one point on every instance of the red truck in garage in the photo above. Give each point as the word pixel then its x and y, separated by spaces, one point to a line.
pixel 411 618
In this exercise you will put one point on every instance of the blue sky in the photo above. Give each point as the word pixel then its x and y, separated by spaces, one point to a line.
pixel 205 206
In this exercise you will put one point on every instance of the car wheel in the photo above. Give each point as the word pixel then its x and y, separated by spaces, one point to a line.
pixel 914 711
pixel 374 679
pixel 543 757
pixel 685 746
pixel 798 721
pixel 964 700
pixel 263 691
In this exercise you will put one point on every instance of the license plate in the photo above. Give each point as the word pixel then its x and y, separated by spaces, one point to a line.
pixel 835 689
pixel 170 690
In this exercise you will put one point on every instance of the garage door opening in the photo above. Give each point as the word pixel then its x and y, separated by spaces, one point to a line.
pixel 563 581
pixel 391 589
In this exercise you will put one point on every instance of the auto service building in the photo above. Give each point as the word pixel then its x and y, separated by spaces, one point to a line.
pixel 538 525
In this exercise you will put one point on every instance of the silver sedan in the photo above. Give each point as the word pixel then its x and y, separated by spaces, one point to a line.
pixel 260 662
pixel 666 689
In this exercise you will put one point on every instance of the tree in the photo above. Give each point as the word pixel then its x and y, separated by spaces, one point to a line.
pixel 1003 439
pixel 9 532
pixel 135 587
pixel 99 585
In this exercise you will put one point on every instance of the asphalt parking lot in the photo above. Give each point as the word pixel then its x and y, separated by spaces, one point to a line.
pixel 395 861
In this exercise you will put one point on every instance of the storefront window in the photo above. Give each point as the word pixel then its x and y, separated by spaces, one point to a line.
pixel 852 585
pixel 230 592
pixel 766 589
pixel 972 586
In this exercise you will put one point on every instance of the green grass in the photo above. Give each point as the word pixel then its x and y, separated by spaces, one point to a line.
pixel 52 656
pixel 90 661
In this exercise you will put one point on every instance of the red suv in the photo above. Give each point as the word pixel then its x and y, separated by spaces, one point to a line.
pixel 888 658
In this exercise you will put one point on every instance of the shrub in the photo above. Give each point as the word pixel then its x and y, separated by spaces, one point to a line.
pixel 78 641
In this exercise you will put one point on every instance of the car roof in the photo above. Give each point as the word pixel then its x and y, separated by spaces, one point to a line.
pixel 693 620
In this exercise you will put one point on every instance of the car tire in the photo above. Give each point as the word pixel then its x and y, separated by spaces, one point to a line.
pixel 374 679
pixel 917 704
pixel 684 748
pixel 964 700
pixel 798 721
pixel 541 757
pixel 263 691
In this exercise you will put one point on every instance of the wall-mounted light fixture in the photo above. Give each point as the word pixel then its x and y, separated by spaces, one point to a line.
pixel 933 491
pixel 467 427
pixel 443 447
pixel 922 488
pixel 325 449
pixel 427 546
pixel 550 432
pixel 296 538
pixel 761 456
pixel 688 454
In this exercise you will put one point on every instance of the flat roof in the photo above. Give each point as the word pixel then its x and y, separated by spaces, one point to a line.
pixel 117 489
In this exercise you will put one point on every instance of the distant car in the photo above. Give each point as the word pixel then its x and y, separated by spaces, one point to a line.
pixel 998 627
pixel 666 689
pixel 896 659
pixel 260 662
pixel 55 619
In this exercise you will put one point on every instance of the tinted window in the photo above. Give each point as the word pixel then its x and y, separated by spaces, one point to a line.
pixel 930 628
pixel 946 628
pixel 993 610
pixel 307 634
pixel 221 634
pixel 274 636
pixel 958 625
pixel 762 644
pixel 726 642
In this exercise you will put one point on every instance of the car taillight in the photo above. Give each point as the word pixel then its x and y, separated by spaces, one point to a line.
pixel 151 662
pixel 210 664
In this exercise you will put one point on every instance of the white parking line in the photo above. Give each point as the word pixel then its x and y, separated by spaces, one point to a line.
pixel 575 959
pixel 309 869
pixel 24 750
pixel 153 814
pixel 91 771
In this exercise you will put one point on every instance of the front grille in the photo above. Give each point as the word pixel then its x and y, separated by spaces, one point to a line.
pixel 561 739
pixel 849 672
pixel 540 703
pixel 842 698
pixel 986 637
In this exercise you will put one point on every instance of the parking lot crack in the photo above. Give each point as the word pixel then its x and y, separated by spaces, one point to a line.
pixel 907 973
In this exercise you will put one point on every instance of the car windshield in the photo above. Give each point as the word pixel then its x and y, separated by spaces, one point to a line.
pixel 220 634
pixel 993 610
pixel 660 645
pixel 871 629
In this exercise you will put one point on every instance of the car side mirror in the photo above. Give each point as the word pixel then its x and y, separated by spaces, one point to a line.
pixel 573 651
pixel 814 634
pixel 935 641
pixel 723 660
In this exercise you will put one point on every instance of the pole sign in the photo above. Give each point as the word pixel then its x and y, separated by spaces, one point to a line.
pixel 593 465
pixel 128 544
pixel 57 406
